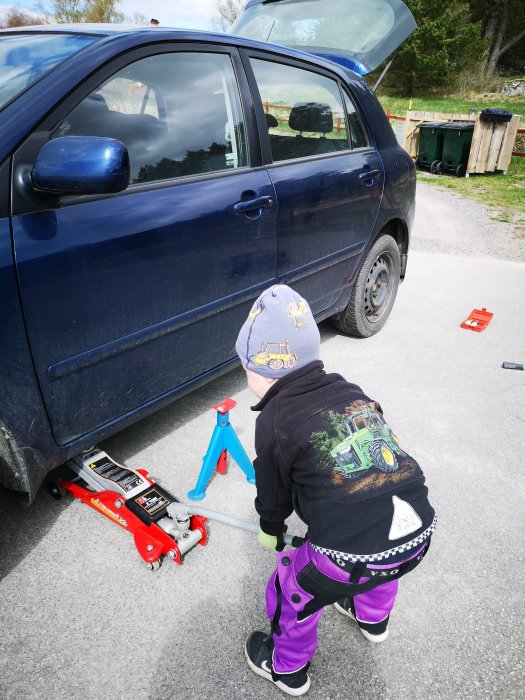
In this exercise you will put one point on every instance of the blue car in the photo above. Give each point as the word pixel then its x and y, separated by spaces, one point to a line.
pixel 154 181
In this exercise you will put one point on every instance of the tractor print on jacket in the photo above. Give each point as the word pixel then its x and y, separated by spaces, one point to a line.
pixel 361 452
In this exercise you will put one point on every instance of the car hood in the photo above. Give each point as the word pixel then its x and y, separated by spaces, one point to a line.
pixel 358 34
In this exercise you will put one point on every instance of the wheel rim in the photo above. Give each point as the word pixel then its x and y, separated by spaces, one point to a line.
pixel 378 288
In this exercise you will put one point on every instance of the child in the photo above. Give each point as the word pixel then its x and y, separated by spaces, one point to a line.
pixel 324 451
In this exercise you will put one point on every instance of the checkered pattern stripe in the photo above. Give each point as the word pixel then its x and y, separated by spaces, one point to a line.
pixel 379 556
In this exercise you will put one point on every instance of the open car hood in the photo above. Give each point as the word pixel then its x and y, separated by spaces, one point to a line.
pixel 359 34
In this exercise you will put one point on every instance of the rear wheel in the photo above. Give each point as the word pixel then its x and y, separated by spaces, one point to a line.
pixel 374 291
pixel 382 456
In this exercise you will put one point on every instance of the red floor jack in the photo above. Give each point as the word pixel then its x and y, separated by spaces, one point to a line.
pixel 161 525
pixel 134 501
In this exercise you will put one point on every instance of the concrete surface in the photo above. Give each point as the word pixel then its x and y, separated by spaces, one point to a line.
pixel 82 618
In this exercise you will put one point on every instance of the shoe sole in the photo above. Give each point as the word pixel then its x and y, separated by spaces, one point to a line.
pixel 296 692
pixel 375 638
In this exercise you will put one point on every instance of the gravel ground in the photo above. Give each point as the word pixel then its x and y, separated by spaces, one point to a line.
pixel 83 620
pixel 473 231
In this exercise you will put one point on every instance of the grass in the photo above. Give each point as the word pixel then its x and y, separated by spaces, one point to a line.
pixel 503 194
pixel 454 104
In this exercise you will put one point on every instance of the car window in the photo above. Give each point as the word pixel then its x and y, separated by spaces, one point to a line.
pixel 130 97
pixel 356 130
pixel 24 58
pixel 304 112
pixel 359 33
pixel 178 114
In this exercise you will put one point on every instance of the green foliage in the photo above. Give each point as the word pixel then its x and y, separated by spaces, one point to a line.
pixel 325 441
pixel 445 42
pixel 73 11
pixel 103 11
pixel 453 104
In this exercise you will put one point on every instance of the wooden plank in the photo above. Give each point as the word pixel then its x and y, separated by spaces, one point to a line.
pixel 406 131
pixel 414 118
pixel 486 138
pixel 495 146
pixel 508 143
pixel 474 147
pixel 411 132
pixel 406 135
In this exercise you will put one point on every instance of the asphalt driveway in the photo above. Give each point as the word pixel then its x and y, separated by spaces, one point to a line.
pixel 81 617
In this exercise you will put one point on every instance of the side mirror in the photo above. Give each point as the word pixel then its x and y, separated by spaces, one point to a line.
pixel 82 165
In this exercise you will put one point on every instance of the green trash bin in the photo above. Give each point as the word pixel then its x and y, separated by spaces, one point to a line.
pixel 456 147
pixel 430 145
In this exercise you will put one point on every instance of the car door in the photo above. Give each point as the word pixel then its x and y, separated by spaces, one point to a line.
pixel 129 297
pixel 327 176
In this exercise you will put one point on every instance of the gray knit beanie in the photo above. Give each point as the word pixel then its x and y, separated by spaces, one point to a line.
pixel 279 335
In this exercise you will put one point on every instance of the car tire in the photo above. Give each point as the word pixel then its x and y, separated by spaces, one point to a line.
pixel 374 291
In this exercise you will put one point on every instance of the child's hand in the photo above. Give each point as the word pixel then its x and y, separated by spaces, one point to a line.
pixel 268 541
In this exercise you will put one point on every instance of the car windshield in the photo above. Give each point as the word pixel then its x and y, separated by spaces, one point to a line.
pixel 24 58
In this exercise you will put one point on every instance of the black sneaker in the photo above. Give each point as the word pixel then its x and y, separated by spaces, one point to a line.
pixel 258 651
pixel 374 632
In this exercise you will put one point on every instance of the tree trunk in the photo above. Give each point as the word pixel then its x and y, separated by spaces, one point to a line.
pixel 494 19
pixel 495 51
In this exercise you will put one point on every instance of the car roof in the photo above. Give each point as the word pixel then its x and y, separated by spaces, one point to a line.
pixel 100 29
pixel 112 31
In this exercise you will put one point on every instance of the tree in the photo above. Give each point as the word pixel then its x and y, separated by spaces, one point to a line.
pixel 137 18
pixel 73 11
pixel 446 41
pixel 228 12
pixel 14 17
pixel 103 11
pixel 504 28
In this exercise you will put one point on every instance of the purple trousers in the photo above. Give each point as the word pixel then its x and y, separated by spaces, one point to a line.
pixel 295 628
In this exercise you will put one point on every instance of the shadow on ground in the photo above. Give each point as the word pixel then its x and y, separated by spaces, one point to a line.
pixel 24 527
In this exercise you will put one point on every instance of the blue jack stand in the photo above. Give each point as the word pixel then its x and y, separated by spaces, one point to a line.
pixel 223 440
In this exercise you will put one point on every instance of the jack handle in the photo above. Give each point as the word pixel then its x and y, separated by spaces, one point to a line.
pixel 185 510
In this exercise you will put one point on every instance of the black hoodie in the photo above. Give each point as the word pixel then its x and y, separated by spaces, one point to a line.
pixel 325 451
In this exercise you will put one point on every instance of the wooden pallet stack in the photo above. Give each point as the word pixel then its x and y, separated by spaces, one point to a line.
pixel 492 142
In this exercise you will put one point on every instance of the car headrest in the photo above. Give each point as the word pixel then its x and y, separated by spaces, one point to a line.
pixel 311 116
pixel 88 117
pixel 271 121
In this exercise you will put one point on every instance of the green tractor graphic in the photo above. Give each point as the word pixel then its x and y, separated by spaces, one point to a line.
pixel 370 443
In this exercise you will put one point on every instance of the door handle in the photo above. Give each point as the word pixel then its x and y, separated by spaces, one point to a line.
pixel 264 202
pixel 369 175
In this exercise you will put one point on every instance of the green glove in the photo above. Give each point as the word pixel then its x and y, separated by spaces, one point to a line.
pixel 268 541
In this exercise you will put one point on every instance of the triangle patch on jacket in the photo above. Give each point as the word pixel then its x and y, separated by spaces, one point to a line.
pixel 405 520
